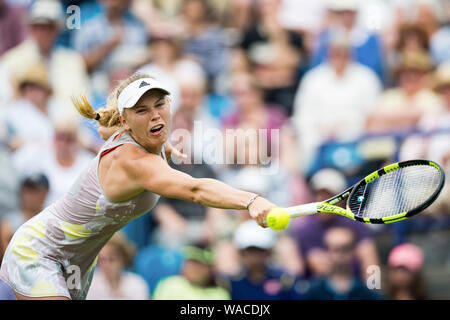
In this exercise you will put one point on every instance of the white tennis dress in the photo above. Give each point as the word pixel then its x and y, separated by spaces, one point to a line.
pixel 55 252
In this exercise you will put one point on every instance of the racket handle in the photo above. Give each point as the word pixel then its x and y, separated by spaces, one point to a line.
pixel 302 210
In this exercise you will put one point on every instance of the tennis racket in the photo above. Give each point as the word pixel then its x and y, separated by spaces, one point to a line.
pixel 393 193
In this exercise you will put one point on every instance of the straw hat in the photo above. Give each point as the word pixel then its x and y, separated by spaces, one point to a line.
pixel 415 60
pixel 36 74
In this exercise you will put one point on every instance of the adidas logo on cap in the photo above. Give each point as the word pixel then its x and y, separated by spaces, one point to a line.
pixel 143 84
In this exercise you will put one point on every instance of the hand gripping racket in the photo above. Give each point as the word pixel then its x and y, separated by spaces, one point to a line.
pixel 393 193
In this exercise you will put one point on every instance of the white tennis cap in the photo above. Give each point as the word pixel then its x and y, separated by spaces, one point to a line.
pixel 328 179
pixel 135 90
pixel 250 234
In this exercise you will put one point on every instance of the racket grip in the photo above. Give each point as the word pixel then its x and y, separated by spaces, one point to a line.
pixel 302 210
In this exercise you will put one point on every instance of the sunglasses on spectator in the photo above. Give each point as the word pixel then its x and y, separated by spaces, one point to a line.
pixel 341 249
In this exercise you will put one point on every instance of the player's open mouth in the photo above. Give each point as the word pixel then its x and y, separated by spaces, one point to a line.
pixel 156 129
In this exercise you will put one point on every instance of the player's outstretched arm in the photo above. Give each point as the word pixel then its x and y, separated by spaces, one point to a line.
pixel 152 173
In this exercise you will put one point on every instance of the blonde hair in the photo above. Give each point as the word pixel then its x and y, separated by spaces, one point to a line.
pixel 108 116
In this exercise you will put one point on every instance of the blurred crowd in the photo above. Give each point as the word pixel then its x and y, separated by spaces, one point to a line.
pixel 347 85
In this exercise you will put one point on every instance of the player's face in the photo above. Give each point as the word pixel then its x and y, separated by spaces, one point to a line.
pixel 149 120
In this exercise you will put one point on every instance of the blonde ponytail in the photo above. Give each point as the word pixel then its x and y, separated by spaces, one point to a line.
pixel 106 117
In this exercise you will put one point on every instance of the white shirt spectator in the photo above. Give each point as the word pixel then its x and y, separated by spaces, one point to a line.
pixel 131 287
pixel 32 159
pixel 331 107
pixel 27 123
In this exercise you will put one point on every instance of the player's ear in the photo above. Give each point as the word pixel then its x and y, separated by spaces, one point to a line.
pixel 123 122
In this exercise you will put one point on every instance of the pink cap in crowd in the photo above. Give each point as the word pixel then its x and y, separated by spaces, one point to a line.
pixel 406 255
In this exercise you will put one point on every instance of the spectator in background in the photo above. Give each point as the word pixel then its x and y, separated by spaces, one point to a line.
pixel 108 38
pixel 111 281
pixel 366 47
pixel 411 37
pixel 170 67
pixel 402 107
pixel 259 149
pixel 327 106
pixel 405 282
pixel 32 194
pixel 204 40
pixel 439 44
pixel 165 59
pixel 310 231
pixel 12 26
pixel 258 280
pixel 197 280
pixel 340 282
pixel 251 111
pixel 273 54
pixel 28 119
pixel 62 161
pixel 66 68
pixel 433 142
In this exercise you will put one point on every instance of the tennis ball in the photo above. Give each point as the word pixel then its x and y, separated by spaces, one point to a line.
pixel 277 219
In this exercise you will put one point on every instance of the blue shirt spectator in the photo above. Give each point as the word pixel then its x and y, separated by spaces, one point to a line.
pixel 277 285
pixel 366 49
pixel 321 289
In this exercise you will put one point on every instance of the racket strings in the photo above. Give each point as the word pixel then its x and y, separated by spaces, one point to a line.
pixel 395 192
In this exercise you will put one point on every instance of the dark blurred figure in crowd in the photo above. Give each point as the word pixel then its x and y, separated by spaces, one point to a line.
pixel 258 280
pixel 366 47
pixel 340 282
pixel 12 26
pixel 111 280
pixel 197 280
pixel 273 54
pixel 327 106
pixel 204 40
pixel 402 107
pixel 310 231
pixel 32 195
pixel 66 67
pixel 405 281
pixel 28 119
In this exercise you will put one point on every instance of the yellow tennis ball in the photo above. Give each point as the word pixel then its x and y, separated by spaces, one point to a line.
pixel 278 218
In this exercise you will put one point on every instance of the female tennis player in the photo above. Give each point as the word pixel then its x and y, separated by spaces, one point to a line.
pixel 122 182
